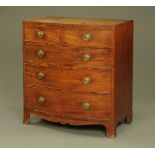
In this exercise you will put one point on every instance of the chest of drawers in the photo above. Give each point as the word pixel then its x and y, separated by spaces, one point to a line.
pixel 78 71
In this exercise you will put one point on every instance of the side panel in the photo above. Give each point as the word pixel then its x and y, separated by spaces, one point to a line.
pixel 123 70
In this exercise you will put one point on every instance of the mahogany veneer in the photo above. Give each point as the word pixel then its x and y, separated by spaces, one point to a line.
pixel 78 71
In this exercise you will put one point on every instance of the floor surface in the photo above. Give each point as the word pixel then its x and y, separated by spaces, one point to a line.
pixel 40 133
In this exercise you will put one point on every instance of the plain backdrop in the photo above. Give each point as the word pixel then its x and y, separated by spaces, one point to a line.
pixel 45 134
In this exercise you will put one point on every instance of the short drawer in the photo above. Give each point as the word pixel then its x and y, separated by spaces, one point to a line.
pixel 88 37
pixel 68 79
pixel 39 32
pixel 68 56
pixel 68 104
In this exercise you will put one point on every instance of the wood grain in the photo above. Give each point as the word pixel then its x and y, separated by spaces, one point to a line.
pixel 77 21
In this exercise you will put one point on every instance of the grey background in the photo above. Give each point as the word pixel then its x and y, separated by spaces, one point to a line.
pixel 44 134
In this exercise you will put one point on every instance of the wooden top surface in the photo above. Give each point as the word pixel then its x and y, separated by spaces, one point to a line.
pixel 77 21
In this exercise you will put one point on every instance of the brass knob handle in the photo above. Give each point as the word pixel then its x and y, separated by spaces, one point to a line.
pixel 86 106
pixel 41 75
pixel 86 37
pixel 86 80
pixel 41 100
pixel 40 53
pixel 86 57
pixel 40 34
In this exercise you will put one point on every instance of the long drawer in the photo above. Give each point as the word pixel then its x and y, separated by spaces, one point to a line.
pixel 68 79
pixel 68 104
pixel 68 56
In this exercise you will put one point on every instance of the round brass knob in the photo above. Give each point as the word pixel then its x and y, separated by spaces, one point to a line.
pixel 40 53
pixel 41 75
pixel 86 106
pixel 40 34
pixel 86 57
pixel 86 80
pixel 86 37
pixel 41 100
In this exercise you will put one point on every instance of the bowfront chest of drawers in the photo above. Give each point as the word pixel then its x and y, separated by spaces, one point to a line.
pixel 78 71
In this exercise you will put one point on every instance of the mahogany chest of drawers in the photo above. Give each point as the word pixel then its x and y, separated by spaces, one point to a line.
pixel 78 71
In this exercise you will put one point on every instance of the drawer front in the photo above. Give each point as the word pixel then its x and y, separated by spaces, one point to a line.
pixel 84 37
pixel 68 104
pixel 69 57
pixel 73 80
pixel 41 33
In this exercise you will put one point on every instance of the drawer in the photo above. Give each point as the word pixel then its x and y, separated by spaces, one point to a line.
pixel 88 37
pixel 65 79
pixel 69 57
pixel 38 32
pixel 68 104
